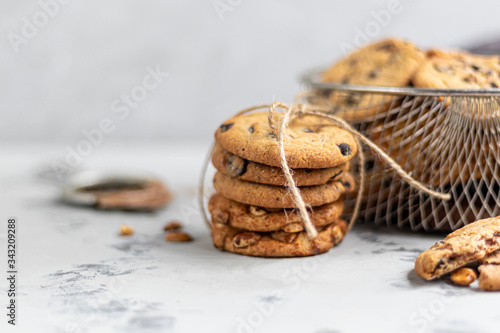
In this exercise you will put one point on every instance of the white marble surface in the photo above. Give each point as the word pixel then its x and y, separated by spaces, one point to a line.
pixel 78 275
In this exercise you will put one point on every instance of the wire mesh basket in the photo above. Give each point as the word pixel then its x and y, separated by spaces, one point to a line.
pixel 446 139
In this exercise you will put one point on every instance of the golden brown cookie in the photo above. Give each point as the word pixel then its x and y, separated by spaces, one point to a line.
pixel 472 242
pixel 253 218
pixel 388 63
pixel 277 244
pixel 489 272
pixel 310 142
pixel 459 70
pixel 239 168
pixel 270 196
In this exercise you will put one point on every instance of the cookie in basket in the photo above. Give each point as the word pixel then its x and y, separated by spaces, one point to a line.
pixel 311 142
pixel 426 137
pixel 435 144
pixel 278 243
pixel 242 169
pixel 270 196
pixel 388 63
pixel 254 218
pixel 457 70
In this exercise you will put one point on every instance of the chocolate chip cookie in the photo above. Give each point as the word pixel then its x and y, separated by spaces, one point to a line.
pixel 489 272
pixel 472 242
pixel 239 168
pixel 459 70
pixel 388 63
pixel 279 243
pixel 310 142
pixel 270 196
pixel 254 218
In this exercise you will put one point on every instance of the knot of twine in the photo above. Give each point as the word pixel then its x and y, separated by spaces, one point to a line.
pixel 293 111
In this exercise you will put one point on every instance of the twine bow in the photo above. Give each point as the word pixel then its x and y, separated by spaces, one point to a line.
pixel 293 111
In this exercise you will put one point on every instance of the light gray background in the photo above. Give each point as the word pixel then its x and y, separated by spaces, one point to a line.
pixel 64 79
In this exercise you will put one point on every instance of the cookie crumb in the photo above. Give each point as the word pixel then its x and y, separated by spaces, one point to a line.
pixel 178 236
pixel 125 230
pixel 174 225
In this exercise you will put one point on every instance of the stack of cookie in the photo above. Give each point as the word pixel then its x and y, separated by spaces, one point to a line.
pixel 253 212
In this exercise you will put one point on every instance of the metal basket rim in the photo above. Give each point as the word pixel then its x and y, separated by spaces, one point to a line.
pixel 311 79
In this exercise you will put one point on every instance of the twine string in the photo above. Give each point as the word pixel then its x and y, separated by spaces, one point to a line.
pixel 292 186
pixel 392 163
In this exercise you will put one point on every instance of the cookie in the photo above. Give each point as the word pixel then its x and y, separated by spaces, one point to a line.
pixel 277 244
pixel 460 70
pixel 269 196
pixel 489 272
pixel 239 168
pixel 253 218
pixel 310 142
pixel 388 63
pixel 472 242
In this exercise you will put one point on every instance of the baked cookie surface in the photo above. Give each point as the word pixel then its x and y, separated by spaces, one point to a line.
pixel 460 70
pixel 472 242
pixel 489 272
pixel 239 168
pixel 269 196
pixel 310 142
pixel 253 218
pixel 277 244
pixel 388 63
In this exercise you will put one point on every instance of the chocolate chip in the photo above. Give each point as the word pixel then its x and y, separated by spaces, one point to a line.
pixel 236 166
pixel 307 170
pixel 439 264
pixel 345 149
pixel 272 135
pixel 489 72
pixel 345 80
pixel 347 185
pixel 373 74
pixel 370 164
pixel 337 174
pixel 388 46
pixel 467 79
pixel 474 67
pixel 307 130
pixel 497 234
pixel 225 127
pixel 251 129
pixel 352 99
pixel 493 85
pixel 322 93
